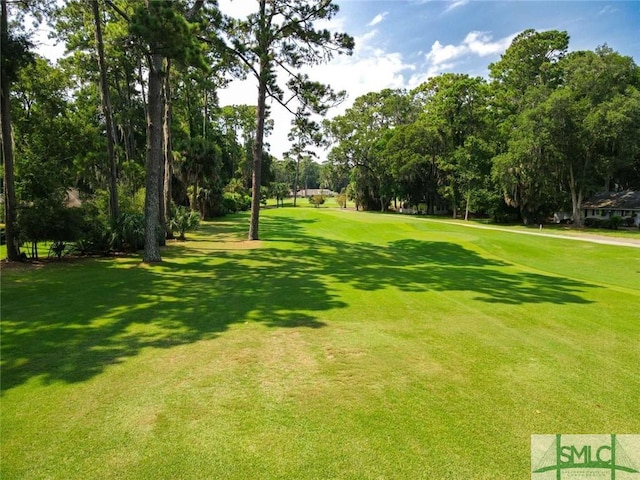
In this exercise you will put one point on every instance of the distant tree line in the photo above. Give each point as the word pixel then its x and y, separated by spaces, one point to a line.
pixel 130 119
pixel 548 129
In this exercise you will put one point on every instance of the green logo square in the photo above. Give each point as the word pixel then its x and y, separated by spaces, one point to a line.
pixel 585 457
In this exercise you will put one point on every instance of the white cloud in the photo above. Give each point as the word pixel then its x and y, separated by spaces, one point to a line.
pixel 481 44
pixel 442 57
pixel 366 37
pixel 377 19
pixel 453 4
pixel 237 8
pixel 442 53
pixel 608 9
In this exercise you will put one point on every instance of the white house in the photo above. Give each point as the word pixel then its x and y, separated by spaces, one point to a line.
pixel 625 204
pixel 310 192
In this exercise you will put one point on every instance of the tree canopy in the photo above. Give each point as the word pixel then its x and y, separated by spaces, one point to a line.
pixel 132 113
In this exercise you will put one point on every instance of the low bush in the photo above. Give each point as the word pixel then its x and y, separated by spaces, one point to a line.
pixel 615 222
pixel 317 200
pixel 233 202
pixel 128 232
pixel 48 221
pixel 184 220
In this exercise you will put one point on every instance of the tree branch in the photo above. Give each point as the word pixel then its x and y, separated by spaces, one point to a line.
pixel 118 10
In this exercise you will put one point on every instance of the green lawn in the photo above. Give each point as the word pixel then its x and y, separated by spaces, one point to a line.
pixel 343 345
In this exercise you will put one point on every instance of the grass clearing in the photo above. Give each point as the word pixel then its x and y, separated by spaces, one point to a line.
pixel 342 345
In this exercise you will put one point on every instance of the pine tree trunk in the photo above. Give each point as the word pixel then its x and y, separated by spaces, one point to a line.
pixel 258 144
pixel 168 152
pixel 162 226
pixel 576 198
pixel 466 209
pixel 256 179
pixel 106 107
pixel 295 181
pixel 154 160
pixel 10 204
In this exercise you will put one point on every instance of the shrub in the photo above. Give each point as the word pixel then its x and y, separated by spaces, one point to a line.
pixel 58 248
pixel 317 200
pixel 233 202
pixel 591 222
pixel 615 222
pixel 595 222
pixel 48 221
pixel 96 237
pixel 128 232
pixel 184 220
pixel 342 200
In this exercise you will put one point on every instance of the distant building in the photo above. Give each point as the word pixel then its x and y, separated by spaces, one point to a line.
pixel 310 192
pixel 73 198
pixel 603 205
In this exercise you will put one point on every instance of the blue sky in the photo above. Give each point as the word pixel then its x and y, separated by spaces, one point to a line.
pixel 401 43
pixel 431 35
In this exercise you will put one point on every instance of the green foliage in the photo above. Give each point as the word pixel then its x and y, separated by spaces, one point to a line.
pixel 342 200
pixel 615 222
pixel 128 232
pixel 58 249
pixel 15 54
pixel 48 221
pixel 282 35
pixel 235 202
pixel 612 223
pixel 164 29
pixel 183 220
pixel 96 237
pixel 264 195
pixel 102 234
pixel 279 190
pixel 317 200
pixel 362 134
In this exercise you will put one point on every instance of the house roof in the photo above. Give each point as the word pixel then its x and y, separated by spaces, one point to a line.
pixel 316 191
pixel 626 200
pixel 73 198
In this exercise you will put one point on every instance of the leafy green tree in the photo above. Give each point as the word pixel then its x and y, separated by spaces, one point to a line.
pixel 47 140
pixel 201 166
pixel 280 191
pixel 303 135
pixel 164 32
pixel 526 171
pixel 238 124
pixel 106 110
pixel 530 61
pixel 360 136
pixel 456 106
pixel 598 121
pixel 281 35
pixel 413 153
pixel 523 79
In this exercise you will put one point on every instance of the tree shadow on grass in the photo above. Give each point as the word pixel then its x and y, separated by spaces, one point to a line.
pixel 70 323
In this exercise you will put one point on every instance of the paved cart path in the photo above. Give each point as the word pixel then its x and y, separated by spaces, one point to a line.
pixel 582 237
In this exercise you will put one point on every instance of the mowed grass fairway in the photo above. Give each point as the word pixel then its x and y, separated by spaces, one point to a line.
pixel 343 345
